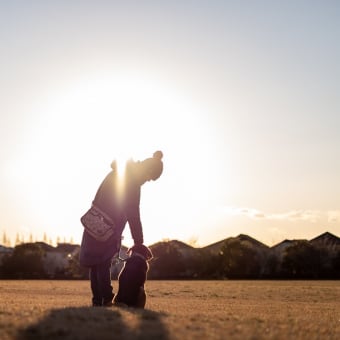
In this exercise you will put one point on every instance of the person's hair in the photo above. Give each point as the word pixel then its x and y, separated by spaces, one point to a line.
pixel 154 165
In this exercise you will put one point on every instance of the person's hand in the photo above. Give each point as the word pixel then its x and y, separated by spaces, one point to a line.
pixel 134 247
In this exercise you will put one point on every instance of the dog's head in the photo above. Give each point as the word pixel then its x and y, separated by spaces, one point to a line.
pixel 141 249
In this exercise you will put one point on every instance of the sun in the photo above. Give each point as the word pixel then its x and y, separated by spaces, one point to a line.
pixel 119 115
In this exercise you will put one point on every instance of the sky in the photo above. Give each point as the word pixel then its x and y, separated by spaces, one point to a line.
pixel 242 97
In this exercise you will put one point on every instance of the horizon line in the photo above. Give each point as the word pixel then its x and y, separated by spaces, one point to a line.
pixel 188 244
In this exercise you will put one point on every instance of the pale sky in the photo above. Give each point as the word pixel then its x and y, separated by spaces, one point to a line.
pixel 242 97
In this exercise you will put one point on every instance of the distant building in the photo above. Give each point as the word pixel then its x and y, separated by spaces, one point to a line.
pixel 5 251
pixel 56 259
pixel 279 249
pixel 327 240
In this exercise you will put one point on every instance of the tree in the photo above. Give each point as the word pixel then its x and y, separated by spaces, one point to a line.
pixel 271 267
pixel 205 265
pixel 239 260
pixel 336 265
pixel 5 240
pixel 302 260
pixel 26 262
pixel 17 239
pixel 167 263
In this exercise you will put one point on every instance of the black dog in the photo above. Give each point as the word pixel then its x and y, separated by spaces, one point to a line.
pixel 132 278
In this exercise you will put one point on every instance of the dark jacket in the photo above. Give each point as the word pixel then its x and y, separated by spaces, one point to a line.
pixel 119 198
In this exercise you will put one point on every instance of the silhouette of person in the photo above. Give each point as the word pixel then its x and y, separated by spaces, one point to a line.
pixel 119 197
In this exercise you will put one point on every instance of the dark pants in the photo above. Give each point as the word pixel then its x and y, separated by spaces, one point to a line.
pixel 100 276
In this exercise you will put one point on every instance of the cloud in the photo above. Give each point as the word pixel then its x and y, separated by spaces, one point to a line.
pixel 249 212
pixel 313 216
pixel 298 215
pixel 333 216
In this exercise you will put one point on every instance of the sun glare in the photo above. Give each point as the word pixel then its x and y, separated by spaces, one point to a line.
pixel 83 127
pixel 120 167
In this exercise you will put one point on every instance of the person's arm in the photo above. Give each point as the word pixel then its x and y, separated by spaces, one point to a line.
pixel 133 215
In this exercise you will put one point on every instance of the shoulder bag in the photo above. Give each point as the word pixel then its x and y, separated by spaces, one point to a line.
pixel 98 224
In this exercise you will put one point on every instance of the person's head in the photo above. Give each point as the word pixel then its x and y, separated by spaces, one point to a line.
pixel 143 171
pixel 152 168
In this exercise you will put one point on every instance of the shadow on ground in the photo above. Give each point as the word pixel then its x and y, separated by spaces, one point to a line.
pixel 97 323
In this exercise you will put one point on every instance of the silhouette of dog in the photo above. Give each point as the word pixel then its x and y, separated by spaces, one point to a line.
pixel 132 278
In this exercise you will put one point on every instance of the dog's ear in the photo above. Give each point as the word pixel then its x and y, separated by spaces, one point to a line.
pixel 145 251
pixel 149 255
pixel 141 249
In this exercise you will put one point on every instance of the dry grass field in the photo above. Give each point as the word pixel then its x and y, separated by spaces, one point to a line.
pixel 175 310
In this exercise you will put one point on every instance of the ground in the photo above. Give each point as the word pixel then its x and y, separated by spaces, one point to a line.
pixel 175 310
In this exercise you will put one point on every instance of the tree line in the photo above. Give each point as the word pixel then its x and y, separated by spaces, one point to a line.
pixel 20 239
pixel 237 259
